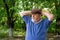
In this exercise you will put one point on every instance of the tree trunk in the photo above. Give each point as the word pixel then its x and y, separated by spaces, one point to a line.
pixel 10 22
pixel 10 32
pixel 57 6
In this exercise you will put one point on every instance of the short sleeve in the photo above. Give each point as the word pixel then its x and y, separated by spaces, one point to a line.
pixel 47 22
pixel 26 18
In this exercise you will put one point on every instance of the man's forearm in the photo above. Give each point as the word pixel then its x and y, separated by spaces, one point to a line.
pixel 25 13
pixel 46 14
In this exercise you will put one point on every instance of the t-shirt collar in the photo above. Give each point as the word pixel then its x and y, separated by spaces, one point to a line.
pixel 36 22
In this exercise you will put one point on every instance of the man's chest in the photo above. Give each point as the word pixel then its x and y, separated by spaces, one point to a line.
pixel 35 27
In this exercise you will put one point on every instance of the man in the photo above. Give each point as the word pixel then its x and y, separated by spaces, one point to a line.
pixel 36 28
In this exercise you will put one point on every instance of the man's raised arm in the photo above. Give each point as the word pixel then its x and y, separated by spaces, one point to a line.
pixel 49 15
pixel 25 13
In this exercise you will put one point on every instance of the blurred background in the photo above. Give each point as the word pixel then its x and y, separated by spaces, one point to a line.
pixel 12 26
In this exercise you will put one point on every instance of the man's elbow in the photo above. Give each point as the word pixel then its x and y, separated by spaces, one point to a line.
pixel 51 17
pixel 21 14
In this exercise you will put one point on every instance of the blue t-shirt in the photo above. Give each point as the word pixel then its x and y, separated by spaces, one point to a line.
pixel 36 31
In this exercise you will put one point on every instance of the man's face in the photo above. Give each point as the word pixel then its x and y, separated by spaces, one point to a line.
pixel 36 17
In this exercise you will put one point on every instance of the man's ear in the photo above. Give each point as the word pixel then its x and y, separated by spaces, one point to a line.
pixel 41 14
